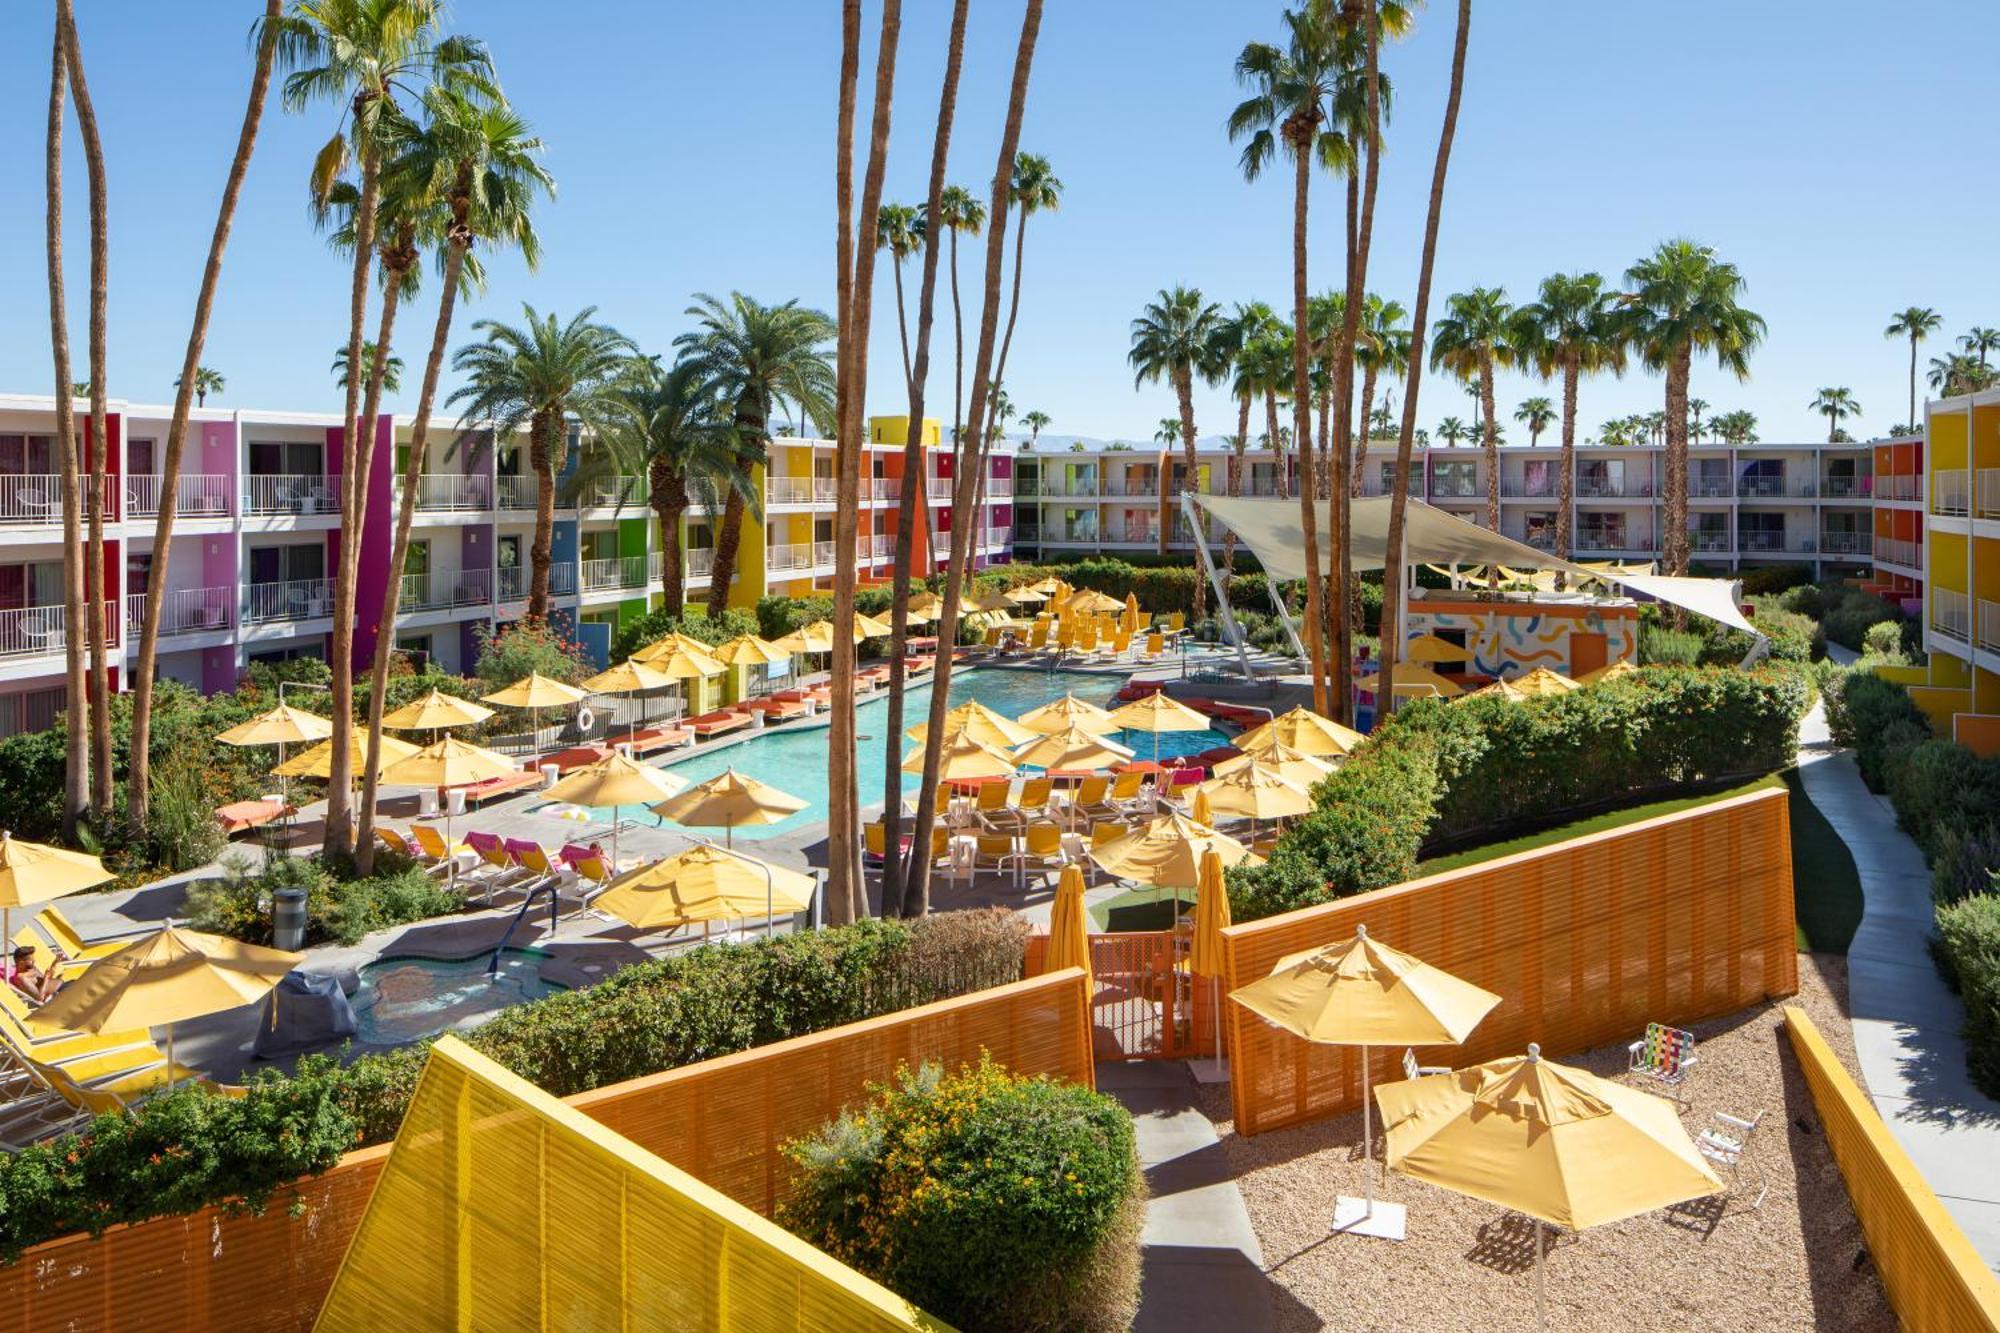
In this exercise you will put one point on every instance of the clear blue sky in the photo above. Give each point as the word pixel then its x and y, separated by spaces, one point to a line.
pixel 1838 152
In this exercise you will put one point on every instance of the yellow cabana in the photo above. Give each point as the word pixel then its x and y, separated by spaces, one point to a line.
pixel 981 723
pixel 436 711
pixel 1559 1144
pixel 729 800
pixel 1071 750
pixel 1611 671
pixel 1414 679
pixel 1066 712
pixel 1275 756
pixel 1362 993
pixel 1069 932
pixel 1429 649
pixel 32 873
pixel 1256 791
pixel 964 759
pixel 318 761
pixel 705 883
pixel 1166 851
pixel 1542 682
pixel 1305 731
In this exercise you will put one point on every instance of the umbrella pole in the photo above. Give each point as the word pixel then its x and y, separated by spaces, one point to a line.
pixel 1541 1281
pixel 1367 1138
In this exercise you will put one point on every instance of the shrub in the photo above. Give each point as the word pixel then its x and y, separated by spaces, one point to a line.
pixel 1883 639
pixel 1775 578
pixel 1968 947
pixel 1659 645
pixel 657 624
pixel 238 902
pixel 523 647
pixel 991 1200
pixel 1876 719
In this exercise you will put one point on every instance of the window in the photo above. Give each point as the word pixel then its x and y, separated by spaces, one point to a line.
pixel 1538 478
pixel 27 455
pixel 1456 480
pixel 287 564
pixel 139 458
pixel 274 458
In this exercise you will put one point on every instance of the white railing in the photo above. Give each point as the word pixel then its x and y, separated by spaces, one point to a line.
pixel 35 631
pixel 1710 490
pixel 613 493
pixel 789 555
pixel 1773 541
pixel 1950 491
pixel 291 493
pixel 1847 543
pixel 996 537
pixel 1134 532
pixel 1951 614
pixel 1988 492
pixel 618 572
pixel 1000 487
pixel 1845 488
pixel 35 498
pixel 881 547
pixel 1896 486
pixel 443 491
pixel 940 488
pixel 1600 541
pixel 1898 551
pixel 183 610
pixel 1065 536
pixel 293 599
pixel 516 493
pixel 514 582
pixel 698 563
pixel 1989 625
pixel 788 490
pixel 823 555
pixel 444 589
pixel 1708 541
pixel 198 495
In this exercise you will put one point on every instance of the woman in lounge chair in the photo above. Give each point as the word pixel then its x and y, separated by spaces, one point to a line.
pixel 27 976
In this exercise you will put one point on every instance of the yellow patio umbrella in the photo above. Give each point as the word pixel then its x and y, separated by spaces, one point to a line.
pixel 1256 791
pixel 1157 713
pixel 449 763
pixel 436 711
pixel 1026 596
pixel 1543 682
pixel 536 692
pixel 1048 587
pixel 1412 674
pixel 1359 992
pixel 749 650
pixel 1559 1144
pixel 635 677
pixel 281 726
pixel 318 761
pixel 613 781
pixel 994 601
pixel 1610 671
pixel 1198 809
pixel 1167 850
pixel 1499 689
pixel 964 759
pixel 705 883
pixel 1211 914
pixel 1073 749
pixel 729 800
pixel 1429 649
pixel 867 627
pixel 673 642
pixel 1066 712
pixel 1275 756
pixel 683 663
pixel 160 979
pixel 32 873
pixel 1305 731
pixel 926 604
pixel 981 723
pixel 1094 603
pixel 1131 617
pixel 1069 932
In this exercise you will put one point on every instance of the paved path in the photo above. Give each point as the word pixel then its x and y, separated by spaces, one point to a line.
pixel 1906 1022
pixel 1203 1266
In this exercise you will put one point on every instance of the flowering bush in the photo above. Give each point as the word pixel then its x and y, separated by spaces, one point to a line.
pixel 523 647
pixel 990 1200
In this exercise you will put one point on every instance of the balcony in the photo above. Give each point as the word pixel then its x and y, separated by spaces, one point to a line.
pixel 197 495
pixel 999 488
pixel 619 573
pixel 1597 488
pixel 444 590
pixel 1510 489
pixel 292 599
pixel 1847 543
pixel 1951 491
pixel 1133 534
pixel 442 492
pixel 1951 614
pixel 1060 534
pixel 1897 551
pixel 514 582
pixel 1756 542
pixel 1708 541
pixel 183 611
pixel 1846 488
pixel 939 488
pixel 789 490
pixel 1268 486
pixel 624 492
pixel 1775 488
pixel 1591 542
pixel 882 488
pixel 994 538
pixel 33 499
pixel 516 493
pixel 1700 488
pixel 1145 488
pixel 1897 486
pixel 1987 492
pixel 788 556
pixel 291 493
pixel 1989 625
pixel 37 631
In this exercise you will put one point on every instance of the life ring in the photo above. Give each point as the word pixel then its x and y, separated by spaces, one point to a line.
pixel 584 719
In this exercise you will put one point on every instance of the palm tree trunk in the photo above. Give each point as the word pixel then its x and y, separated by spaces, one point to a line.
pixel 1912 418
pixel 1399 500
pixel 965 484
pixel 96 624
pixel 1236 463
pixel 138 781
pixel 957 355
pixel 1344 591
pixel 668 490
pixel 1184 391
pixel 353 486
pixel 1276 444
pixel 542 548
pixel 1490 437
pixel 413 473
pixel 1675 541
pixel 901 887
pixel 1360 471
pixel 1566 470
pixel 1302 142
pixel 76 726
pixel 727 537
pixel 902 319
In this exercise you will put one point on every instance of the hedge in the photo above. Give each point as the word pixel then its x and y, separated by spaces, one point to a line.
pixel 1438 776
pixel 1968 950
pixel 183 1150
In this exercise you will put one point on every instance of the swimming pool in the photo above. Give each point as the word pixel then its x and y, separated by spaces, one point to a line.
pixel 795 760
pixel 402 999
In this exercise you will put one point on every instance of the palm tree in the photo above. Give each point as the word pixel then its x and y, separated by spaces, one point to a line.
pixel 392 367
pixel 1569 329
pixel 1535 414
pixel 544 377
pixel 961 212
pixel 1035 189
pixel 1036 422
pixel 1915 323
pixel 1696 406
pixel 1291 105
pixel 758 355
pixel 1451 430
pixel 1979 341
pixel 1737 427
pixel 1264 368
pixel 1382 347
pixel 1470 341
pixel 76 733
pixel 1958 373
pixel 200 381
pixel 899 229
pixel 1835 405
pixel 1249 321
pixel 1168 432
pixel 1175 339
pixel 1684 300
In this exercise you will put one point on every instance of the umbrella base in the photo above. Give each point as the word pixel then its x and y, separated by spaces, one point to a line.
pixel 1208 1069
pixel 1356 1217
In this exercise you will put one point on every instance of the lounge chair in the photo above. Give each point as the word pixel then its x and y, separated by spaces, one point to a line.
pixel 1091 800
pixel 242 816
pixel 58 1048
pixel 495 869
pixel 576 756
pixel 1413 1070
pixel 1128 796
pixel 432 851
pixel 1041 850
pixel 717 723
pixel 71 946
pixel 67 1099
pixel 551 873
pixel 1729 1141
pixel 992 851
pixel 651 740
pixel 492 789
pixel 918 666
pixel 990 806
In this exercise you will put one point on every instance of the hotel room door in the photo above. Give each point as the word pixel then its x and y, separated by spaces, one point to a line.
pixel 1586 653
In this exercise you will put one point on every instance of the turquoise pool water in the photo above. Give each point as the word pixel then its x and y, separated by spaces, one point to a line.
pixel 795 761
pixel 402 999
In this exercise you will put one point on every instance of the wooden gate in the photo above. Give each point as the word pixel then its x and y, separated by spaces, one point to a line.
pixel 1145 1005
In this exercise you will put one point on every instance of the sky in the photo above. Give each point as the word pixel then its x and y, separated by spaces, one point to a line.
pixel 1835 151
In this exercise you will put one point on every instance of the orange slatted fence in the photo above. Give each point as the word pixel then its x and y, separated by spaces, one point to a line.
pixel 724 1121
pixel 1933 1276
pixel 1673 919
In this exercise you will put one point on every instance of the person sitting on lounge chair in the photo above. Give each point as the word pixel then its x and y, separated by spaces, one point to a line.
pixel 27 977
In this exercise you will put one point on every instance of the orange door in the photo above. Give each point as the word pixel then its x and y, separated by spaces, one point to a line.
pixel 1586 653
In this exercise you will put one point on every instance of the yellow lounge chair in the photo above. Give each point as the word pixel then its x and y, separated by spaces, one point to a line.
pixel 72 945
pixel 431 850
pixel 1041 849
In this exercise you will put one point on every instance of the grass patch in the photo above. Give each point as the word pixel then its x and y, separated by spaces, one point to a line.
pixel 1597 823
pixel 1140 909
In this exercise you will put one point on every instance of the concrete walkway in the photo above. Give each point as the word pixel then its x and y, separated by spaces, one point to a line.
pixel 1203 1266
pixel 1906 1021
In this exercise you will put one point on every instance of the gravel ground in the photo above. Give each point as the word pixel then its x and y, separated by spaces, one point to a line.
pixel 1797 1262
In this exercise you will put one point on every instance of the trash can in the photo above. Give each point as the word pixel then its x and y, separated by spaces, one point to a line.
pixel 288 919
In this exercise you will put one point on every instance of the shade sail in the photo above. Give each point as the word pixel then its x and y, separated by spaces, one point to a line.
pixel 1270 528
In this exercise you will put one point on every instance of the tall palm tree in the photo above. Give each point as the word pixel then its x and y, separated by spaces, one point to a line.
pixel 1290 107
pixel 1569 329
pixel 1958 372
pixel 1168 432
pixel 1535 414
pixel 1036 421
pixel 1980 341
pixel 1175 339
pixel 199 381
pixel 1683 300
pixel 76 730
pixel 961 212
pixel 1249 321
pixel 1399 498
pixel 546 378
pixel 1915 323
pixel 1696 408
pixel 470 173
pixel 758 355
pixel 899 229
pixel 392 367
pixel 1451 430
pixel 1264 369
pixel 1382 347
pixel 1470 341
pixel 1035 189
pixel 1835 405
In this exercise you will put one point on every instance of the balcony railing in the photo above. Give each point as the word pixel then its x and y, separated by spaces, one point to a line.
pixel 1987 492
pixel 1593 489
pixel 443 491
pixel 1847 543
pixel 1896 486
pixel 36 631
pixel 940 488
pixel 1951 614
pixel 1772 541
pixel 516 493
pixel 1509 490
pixel 1613 541
pixel 881 546
pixel 198 495
pixel 619 572
pixel 292 599
pixel 1898 551
pixel 1708 541
pixel 995 538
pixel 823 555
pixel 1710 490
pixel 788 490
pixel 183 610
pixel 1989 625
pixel 1130 533
pixel 999 488
pixel 1143 487
pixel 1775 488
pixel 789 555
pixel 1061 535
pixel 622 492
pixel 291 493
pixel 33 498
pixel 444 590
pixel 1845 488
pixel 514 581
pixel 1950 491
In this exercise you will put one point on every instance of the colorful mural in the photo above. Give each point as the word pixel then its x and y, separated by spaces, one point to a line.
pixel 1508 638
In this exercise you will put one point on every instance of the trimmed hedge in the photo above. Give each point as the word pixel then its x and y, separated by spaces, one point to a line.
pixel 185 1150
pixel 1437 775
pixel 1968 952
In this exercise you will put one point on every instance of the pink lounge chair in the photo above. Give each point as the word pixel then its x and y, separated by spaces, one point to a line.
pixel 240 816
pixel 489 789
